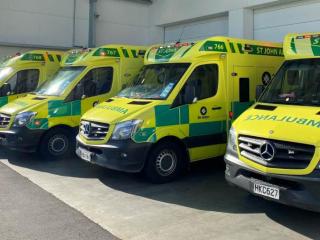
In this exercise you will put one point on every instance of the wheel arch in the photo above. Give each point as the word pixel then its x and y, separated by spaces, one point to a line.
pixel 72 130
pixel 176 140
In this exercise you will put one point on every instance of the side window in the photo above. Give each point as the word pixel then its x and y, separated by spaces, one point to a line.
pixel 244 90
pixel 202 83
pixel 97 81
pixel 103 79
pixel 24 81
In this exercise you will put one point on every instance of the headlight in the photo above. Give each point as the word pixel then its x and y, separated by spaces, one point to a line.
pixel 232 141
pixel 124 130
pixel 23 119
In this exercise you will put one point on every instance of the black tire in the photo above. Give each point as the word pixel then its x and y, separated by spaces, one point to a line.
pixel 57 143
pixel 165 163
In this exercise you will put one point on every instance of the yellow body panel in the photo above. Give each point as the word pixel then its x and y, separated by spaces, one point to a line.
pixel 234 59
pixel 201 153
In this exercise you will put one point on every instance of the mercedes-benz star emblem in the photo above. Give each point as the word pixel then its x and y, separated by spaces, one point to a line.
pixel 267 151
pixel 87 128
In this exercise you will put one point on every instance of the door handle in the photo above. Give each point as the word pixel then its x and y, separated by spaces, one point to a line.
pixel 216 108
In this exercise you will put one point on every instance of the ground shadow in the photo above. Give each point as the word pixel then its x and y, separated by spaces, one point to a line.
pixel 203 188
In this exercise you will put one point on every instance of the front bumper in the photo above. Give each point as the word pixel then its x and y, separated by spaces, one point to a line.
pixel 122 155
pixel 298 191
pixel 21 139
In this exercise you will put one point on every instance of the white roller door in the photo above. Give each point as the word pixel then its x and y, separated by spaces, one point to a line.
pixel 197 29
pixel 273 23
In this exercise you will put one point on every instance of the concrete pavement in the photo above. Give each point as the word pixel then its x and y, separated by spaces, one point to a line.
pixel 199 206
pixel 28 212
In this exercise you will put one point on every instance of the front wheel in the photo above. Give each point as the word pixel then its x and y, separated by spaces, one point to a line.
pixel 165 163
pixel 57 143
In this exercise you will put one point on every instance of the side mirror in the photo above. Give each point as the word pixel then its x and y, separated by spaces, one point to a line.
pixel 78 92
pixel 5 89
pixel 189 94
pixel 259 90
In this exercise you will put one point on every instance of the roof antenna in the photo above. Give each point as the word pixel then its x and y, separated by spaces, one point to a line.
pixel 182 32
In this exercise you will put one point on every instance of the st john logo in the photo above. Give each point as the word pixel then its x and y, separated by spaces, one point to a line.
pixel 203 111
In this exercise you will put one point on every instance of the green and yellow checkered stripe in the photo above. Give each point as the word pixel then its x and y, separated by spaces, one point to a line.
pixel 233 47
pixel 57 108
pixel 166 116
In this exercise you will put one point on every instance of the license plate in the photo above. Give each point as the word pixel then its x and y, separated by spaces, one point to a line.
pixel 265 190
pixel 84 154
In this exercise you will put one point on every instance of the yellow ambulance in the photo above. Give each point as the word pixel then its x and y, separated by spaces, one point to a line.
pixel 23 73
pixel 179 107
pixel 274 147
pixel 47 119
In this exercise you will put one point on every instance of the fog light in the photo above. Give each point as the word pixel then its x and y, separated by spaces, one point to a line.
pixel 124 155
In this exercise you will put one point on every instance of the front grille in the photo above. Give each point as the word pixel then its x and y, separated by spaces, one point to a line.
pixel 275 153
pixel 94 130
pixel 4 120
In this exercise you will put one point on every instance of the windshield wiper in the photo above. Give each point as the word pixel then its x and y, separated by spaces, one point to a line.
pixel 273 102
pixel 291 103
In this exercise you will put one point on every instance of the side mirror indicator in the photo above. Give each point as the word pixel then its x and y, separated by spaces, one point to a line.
pixel 5 89
pixel 189 94
pixel 195 99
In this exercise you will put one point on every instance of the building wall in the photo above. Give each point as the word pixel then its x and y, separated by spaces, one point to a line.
pixel 273 22
pixel 43 23
pixel 175 11
pixel 49 23
pixel 81 23
pixel 122 22
pixel 6 51
pixel 126 22
pixel 196 29
pixel 253 19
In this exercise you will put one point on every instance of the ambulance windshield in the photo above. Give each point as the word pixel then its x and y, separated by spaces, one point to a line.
pixel 155 81
pixel 296 83
pixel 60 82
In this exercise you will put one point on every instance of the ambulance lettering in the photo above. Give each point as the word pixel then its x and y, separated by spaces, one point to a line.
pixel 114 108
pixel 288 119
